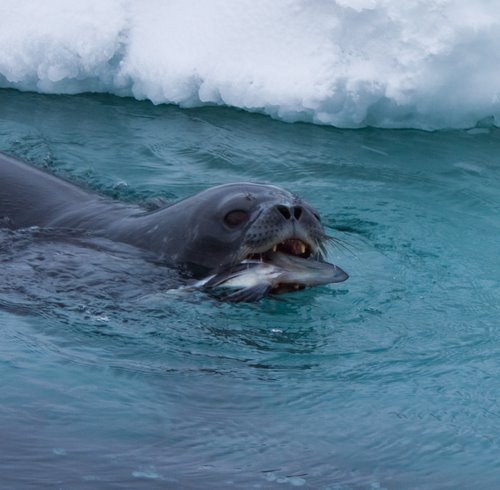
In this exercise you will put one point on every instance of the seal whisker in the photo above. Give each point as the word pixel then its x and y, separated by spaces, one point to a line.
pixel 339 244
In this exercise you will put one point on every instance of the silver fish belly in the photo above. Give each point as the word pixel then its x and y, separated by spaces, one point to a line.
pixel 251 280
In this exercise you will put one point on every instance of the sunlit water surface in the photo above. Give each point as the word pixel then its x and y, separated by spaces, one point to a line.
pixel 389 380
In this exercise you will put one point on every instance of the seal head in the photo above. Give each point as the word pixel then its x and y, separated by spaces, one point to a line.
pixel 226 224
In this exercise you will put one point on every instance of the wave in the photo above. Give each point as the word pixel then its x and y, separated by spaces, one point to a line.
pixel 428 64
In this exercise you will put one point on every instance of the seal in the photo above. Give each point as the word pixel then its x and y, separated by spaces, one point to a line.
pixel 205 233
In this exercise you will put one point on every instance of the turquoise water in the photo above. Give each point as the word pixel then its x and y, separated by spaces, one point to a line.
pixel 389 380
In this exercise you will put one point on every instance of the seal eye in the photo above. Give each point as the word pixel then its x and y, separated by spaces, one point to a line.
pixel 235 218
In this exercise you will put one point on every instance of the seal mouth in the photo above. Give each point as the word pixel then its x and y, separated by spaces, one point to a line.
pixel 287 266
pixel 291 246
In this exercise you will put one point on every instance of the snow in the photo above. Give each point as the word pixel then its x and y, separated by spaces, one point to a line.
pixel 429 64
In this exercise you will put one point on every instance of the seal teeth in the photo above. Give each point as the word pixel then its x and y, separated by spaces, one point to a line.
pixel 292 246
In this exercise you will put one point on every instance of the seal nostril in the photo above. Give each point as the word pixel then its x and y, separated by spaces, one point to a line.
pixel 297 212
pixel 284 211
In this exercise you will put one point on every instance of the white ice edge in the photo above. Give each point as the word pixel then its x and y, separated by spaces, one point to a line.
pixel 428 64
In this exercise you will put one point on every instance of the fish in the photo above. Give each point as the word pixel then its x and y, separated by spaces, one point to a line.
pixel 252 279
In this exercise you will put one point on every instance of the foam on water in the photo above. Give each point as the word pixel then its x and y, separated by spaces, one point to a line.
pixel 426 64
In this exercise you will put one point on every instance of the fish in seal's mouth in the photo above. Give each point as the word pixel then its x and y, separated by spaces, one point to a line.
pixel 289 265
pixel 292 246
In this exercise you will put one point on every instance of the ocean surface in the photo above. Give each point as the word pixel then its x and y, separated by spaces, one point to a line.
pixel 389 380
pixel 384 116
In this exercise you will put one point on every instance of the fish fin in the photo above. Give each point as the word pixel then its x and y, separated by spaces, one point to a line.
pixel 248 295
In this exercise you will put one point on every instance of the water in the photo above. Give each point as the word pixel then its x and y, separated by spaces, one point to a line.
pixel 388 380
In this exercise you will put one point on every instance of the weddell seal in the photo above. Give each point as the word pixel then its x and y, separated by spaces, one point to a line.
pixel 254 239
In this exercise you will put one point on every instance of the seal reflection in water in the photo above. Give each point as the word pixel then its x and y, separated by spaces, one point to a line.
pixel 255 239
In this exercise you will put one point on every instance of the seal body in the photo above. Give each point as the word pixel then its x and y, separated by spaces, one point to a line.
pixel 207 232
